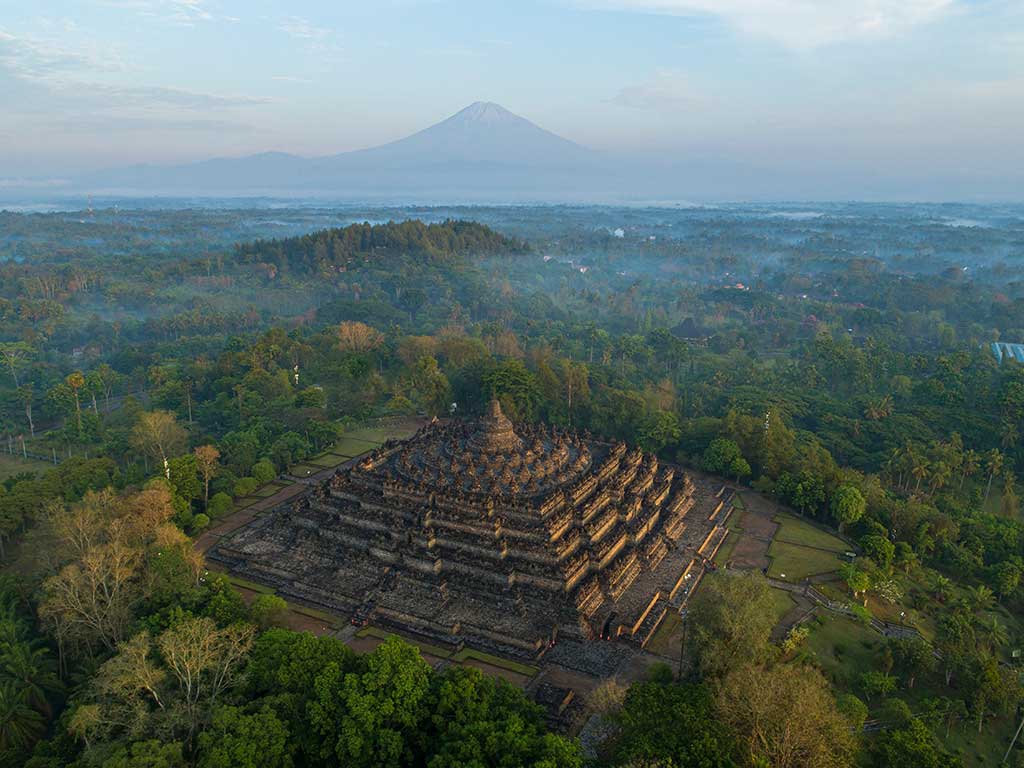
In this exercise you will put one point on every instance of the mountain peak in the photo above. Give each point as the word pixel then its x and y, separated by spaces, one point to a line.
pixel 484 112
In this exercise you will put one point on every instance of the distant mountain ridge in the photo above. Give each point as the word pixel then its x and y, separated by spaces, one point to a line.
pixel 483 151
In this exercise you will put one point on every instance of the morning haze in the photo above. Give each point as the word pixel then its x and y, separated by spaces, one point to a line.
pixel 680 99
pixel 534 384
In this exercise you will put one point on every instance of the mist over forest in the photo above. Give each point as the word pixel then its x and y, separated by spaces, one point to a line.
pixel 172 368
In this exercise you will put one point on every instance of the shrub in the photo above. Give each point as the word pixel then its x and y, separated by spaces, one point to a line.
pixel 268 611
pixel 264 471
pixel 245 486
pixel 200 522
pixel 220 505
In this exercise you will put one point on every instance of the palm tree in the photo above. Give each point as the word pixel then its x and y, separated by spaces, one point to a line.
pixel 35 673
pixel 943 588
pixel 970 465
pixel 981 598
pixel 20 725
pixel 995 634
pixel 993 465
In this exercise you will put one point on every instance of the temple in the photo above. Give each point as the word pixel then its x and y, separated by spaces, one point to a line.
pixel 500 535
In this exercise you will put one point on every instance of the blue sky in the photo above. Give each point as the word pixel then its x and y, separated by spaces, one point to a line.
pixel 930 89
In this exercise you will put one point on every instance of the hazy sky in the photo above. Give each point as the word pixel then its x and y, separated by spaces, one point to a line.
pixel 929 90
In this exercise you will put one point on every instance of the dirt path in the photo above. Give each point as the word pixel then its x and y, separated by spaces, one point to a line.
pixel 759 528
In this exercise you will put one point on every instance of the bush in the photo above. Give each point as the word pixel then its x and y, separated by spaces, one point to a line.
pixel 264 471
pixel 245 486
pixel 200 522
pixel 268 611
pixel 220 505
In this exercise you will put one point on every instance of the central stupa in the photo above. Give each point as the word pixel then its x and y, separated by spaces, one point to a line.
pixel 481 530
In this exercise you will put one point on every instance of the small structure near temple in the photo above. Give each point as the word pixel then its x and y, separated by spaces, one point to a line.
pixel 502 536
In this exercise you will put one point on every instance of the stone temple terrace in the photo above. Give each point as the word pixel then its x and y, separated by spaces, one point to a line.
pixel 506 537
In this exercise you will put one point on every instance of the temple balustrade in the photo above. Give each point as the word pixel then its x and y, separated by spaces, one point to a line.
pixel 589 598
pixel 595 504
pixel 559 524
pixel 631 507
pixel 568 543
pixel 599 526
pixel 582 489
pixel 609 549
pixel 655 551
pixel 643 524
pixel 621 575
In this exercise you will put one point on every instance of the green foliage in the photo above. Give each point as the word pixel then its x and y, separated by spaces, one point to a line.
pixel 670 725
pixel 264 471
pixel 245 485
pixel 220 505
pixel 239 740
pixel 730 621
pixel 268 610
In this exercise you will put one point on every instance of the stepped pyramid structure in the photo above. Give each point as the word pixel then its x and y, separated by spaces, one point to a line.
pixel 484 532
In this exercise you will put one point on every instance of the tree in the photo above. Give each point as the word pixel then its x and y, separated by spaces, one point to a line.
pixel 670 725
pixel 720 456
pixel 912 657
pixel 784 716
pixel 658 430
pixel 993 466
pixel 911 746
pixel 158 435
pixel 75 381
pixel 354 336
pixel 204 661
pixel 15 354
pixel 847 505
pixel 20 724
pixel 235 739
pixel 731 619
pixel 879 549
pixel 207 457
pixel 268 610
pixel 369 718
pixel 26 394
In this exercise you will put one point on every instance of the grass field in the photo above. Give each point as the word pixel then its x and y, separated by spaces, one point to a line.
pixel 782 603
pixel 792 562
pixel 664 641
pixel 12 464
pixel 843 648
pixel 796 531
pixel 495 661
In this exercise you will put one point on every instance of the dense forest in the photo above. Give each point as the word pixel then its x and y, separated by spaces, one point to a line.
pixel 159 366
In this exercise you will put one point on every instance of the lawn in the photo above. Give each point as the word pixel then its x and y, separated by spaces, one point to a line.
pixel 267 490
pixel 796 531
pixel 725 551
pixel 353 446
pixel 793 562
pixel 782 603
pixel 843 648
pixel 12 464
pixel 327 460
pixel 666 641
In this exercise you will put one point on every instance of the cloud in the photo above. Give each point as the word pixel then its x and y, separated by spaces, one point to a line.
pixel 668 91
pixel 181 12
pixel 799 24
pixel 65 75
pixel 36 59
pixel 322 41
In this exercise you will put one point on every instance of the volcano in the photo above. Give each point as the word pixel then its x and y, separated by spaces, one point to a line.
pixel 483 152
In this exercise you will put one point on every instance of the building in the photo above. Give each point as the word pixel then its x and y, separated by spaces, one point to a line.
pixel 498 536
pixel 1002 349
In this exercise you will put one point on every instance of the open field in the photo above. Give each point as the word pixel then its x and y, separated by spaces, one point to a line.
pixel 842 647
pixel 11 464
pixel 792 562
pixel 793 530
pixel 668 636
